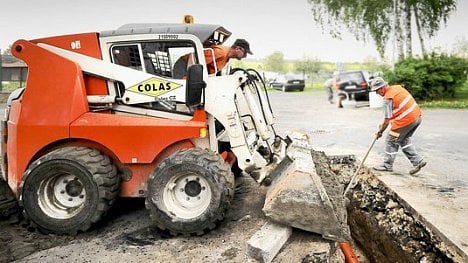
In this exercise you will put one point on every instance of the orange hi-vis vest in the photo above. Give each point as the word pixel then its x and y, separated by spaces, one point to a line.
pixel 220 56
pixel 405 109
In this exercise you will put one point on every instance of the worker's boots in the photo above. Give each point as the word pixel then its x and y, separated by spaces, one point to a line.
pixel 383 168
pixel 417 167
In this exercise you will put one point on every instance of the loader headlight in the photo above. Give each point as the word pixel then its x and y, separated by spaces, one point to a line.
pixel 203 132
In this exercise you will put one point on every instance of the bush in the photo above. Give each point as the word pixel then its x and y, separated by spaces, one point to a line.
pixel 435 76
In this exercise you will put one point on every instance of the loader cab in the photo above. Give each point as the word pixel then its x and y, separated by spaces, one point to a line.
pixel 173 60
pixel 163 52
pixel 162 49
pixel 164 80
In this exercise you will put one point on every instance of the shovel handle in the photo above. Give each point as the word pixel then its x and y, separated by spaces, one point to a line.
pixel 359 168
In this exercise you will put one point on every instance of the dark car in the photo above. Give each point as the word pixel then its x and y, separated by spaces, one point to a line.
pixel 354 83
pixel 288 83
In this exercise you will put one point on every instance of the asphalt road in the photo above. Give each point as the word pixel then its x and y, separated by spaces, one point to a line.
pixel 439 192
pixel 442 138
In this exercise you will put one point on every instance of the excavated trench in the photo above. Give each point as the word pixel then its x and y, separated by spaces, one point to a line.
pixel 381 223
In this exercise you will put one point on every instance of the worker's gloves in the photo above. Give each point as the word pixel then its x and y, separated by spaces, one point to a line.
pixel 378 134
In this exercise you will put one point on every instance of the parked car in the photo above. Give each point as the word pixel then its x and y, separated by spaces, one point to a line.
pixel 352 85
pixel 288 83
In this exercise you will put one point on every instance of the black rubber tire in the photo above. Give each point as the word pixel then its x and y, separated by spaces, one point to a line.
pixel 171 203
pixel 236 170
pixel 69 189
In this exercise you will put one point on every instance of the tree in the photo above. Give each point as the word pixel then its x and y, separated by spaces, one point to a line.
pixel 7 51
pixel 275 62
pixel 308 66
pixel 377 19
pixel 460 47
pixel 7 57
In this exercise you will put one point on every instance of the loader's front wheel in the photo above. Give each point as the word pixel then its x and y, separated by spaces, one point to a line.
pixel 68 189
pixel 190 192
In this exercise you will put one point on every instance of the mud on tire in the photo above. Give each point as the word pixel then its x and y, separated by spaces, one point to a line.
pixel 68 189
pixel 190 192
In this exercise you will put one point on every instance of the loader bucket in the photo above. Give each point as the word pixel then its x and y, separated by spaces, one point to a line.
pixel 300 198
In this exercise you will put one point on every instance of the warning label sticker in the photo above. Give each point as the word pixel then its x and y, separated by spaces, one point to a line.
pixel 154 87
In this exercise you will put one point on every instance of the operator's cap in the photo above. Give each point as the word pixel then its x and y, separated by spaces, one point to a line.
pixel 243 44
pixel 377 83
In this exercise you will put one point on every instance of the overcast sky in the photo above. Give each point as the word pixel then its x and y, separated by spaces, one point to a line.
pixel 269 25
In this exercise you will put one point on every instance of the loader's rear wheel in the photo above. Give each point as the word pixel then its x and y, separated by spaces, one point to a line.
pixel 68 189
pixel 190 192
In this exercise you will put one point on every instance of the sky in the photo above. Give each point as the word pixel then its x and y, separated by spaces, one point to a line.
pixel 269 25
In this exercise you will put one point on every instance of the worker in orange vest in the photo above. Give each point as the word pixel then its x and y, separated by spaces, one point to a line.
pixel 222 54
pixel 404 115
pixel 216 56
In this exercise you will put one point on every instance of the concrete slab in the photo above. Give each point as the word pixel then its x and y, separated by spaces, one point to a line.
pixel 295 200
pixel 267 242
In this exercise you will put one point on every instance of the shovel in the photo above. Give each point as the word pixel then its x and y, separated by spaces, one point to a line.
pixel 351 182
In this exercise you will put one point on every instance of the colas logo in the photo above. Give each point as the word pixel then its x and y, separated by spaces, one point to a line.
pixel 154 87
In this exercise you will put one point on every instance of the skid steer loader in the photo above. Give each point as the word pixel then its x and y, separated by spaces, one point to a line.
pixel 115 113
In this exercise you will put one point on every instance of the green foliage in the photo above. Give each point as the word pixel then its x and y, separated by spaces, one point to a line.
pixel 275 62
pixel 432 77
pixel 447 104
pixel 247 64
pixel 11 86
pixel 373 19
pixel 460 101
pixel 308 66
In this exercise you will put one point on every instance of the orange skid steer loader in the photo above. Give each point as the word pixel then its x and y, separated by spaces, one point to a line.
pixel 120 113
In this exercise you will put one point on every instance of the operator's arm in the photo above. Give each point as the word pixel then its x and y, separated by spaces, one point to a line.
pixel 387 108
